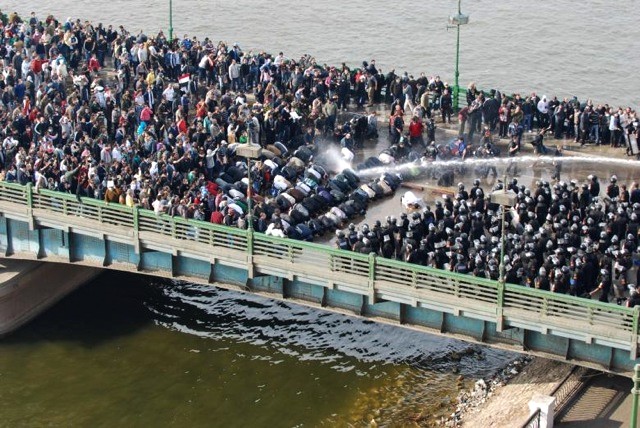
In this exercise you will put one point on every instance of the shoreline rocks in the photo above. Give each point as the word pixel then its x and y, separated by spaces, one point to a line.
pixel 471 400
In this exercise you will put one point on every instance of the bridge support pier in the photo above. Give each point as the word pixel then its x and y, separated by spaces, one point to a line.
pixel 5 230
pixel 28 288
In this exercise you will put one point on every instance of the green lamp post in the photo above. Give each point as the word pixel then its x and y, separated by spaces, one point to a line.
pixel 170 20
pixel 457 20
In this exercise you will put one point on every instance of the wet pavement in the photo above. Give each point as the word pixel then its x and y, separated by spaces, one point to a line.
pixel 576 163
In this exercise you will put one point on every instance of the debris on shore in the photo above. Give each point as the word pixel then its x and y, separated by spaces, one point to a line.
pixel 472 399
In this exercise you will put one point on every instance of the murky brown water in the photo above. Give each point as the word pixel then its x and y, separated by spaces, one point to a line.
pixel 127 351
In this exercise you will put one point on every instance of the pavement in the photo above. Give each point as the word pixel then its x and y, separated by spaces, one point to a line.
pixel 606 403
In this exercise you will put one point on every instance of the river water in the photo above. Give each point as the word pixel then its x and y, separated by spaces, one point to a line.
pixel 129 350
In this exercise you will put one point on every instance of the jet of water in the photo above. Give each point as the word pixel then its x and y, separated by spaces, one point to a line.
pixel 539 161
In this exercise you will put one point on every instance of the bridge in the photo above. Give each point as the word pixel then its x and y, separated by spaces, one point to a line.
pixel 54 227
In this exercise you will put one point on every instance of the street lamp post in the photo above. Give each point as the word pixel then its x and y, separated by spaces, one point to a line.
pixel 506 199
pixel 170 20
pixel 249 151
pixel 457 20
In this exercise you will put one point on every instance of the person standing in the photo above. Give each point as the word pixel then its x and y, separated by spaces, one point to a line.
pixel 396 125
pixel 475 116
pixel 446 105
pixel 514 148
pixel 407 93
pixel 543 112
pixel 615 130
pixel 416 128
pixel 234 75
pixel 330 111
pixel 372 87
pixel 463 115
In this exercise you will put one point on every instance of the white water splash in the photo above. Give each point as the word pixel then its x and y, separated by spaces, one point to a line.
pixel 533 161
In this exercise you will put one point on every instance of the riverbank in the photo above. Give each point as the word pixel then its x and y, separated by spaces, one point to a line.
pixel 503 399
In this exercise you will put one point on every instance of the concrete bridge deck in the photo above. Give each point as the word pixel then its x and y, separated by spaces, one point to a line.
pixel 55 227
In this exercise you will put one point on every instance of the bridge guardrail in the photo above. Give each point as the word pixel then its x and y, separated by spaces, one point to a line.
pixel 66 204
pixel 408 283
pixel 608 321
pixel 197 231
pixel 312 259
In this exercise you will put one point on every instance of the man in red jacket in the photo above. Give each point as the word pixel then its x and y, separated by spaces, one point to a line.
pixel 216 217
pixel 93 65
pixel 416 128
pixel 146 114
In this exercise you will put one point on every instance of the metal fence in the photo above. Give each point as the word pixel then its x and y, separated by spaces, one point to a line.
pixel 416 285
pixel 569 388
pixel 533 421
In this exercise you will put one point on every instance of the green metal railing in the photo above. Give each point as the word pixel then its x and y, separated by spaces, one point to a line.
pixel 368 275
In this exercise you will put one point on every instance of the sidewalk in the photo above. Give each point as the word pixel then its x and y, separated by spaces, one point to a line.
pixel 605 403
pixel 509 405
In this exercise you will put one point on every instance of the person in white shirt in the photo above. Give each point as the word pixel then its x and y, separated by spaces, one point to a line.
pixel 234 75
pixel 159 205
pixel 543 105
pixel 279 59
pixel 116 154
pixel 169 94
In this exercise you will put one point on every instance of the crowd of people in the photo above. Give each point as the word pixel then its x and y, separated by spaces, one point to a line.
pixel 101 113
pixel 585 123
pixel 566 237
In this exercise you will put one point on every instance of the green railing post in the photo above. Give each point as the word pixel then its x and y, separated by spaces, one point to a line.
pixel 249 235
pixel 136 229
pixel 500 306
pixel 250 241
pixel 634 333
pixel 29 191
pixel 29 196
pixel 136 219
pixel 372 267
pixel 635 392
pixel 372 278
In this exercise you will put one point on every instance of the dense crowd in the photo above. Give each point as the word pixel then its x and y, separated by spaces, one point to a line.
pixel 567 237
pixel 101 113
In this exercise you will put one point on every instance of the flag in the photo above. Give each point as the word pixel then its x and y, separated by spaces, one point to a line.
pixel 184 81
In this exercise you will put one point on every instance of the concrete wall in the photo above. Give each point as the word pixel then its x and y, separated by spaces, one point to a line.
pixel 27 288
